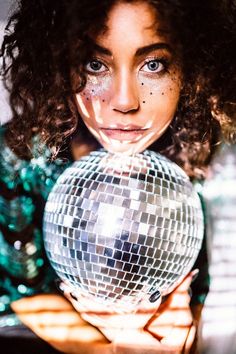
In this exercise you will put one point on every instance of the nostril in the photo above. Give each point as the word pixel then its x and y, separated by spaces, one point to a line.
pixel 125 105
pixel 125 111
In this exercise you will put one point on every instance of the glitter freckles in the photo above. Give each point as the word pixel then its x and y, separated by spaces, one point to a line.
pixel 98 86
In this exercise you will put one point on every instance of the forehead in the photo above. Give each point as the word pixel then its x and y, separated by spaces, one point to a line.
pixel 138 21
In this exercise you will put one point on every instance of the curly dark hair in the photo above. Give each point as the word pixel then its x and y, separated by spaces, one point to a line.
pixel 47 44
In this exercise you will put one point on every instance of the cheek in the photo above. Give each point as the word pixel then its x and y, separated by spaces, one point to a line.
pixel 93 98
pixel 160 95
pixel 97 89
pixel 90 107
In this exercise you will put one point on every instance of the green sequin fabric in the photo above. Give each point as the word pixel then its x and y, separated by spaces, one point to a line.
pixel 24 187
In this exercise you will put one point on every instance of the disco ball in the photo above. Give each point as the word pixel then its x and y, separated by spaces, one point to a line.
pixel 120 229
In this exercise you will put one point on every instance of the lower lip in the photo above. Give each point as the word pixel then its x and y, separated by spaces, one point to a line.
pixel 123 135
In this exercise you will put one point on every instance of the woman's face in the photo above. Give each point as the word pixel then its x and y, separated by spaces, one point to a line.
pixel 133 81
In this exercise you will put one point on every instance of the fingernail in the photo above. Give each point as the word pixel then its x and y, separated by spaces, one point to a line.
pixel 155 296
pixel 73 296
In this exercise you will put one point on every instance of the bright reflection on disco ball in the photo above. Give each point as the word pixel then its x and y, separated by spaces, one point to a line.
pixel 120 228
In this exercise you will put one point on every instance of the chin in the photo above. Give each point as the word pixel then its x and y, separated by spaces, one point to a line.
pixel 127 149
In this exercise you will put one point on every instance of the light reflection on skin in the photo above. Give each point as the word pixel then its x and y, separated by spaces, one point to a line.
pixel 126 104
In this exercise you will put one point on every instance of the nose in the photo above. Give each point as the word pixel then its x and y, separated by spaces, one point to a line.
pixel 125 97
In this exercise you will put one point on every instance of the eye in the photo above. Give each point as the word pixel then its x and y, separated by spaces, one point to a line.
pixel 153 66
pixel 95 66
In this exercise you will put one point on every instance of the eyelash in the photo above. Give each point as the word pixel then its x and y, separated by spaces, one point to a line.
pixel 163 61
pixel 95 72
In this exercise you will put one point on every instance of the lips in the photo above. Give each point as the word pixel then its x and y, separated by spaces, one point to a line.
pixel 124 133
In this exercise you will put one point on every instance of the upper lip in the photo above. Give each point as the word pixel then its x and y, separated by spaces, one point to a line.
pixel 128 127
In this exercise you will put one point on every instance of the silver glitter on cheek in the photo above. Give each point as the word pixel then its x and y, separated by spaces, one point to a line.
pixel 98 86
pixel 120 229
pixel 152 84
pixel 150 87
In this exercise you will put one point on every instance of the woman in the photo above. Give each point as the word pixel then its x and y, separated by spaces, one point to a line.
pixel 126 75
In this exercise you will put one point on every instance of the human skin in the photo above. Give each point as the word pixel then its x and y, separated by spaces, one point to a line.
pixel 133 80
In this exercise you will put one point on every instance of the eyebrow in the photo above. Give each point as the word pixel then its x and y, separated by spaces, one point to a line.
pixel 139 52
pixel 149 48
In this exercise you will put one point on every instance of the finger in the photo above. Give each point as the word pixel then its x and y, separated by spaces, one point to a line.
pixel 185 284
pixel 140 342
pixel 109 324
pixel 164 324
pixel 40 302
pixel 180 325
pixel 181 338
pixel 135 341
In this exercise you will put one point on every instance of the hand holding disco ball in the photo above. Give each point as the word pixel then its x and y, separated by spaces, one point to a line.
pixel 123 229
